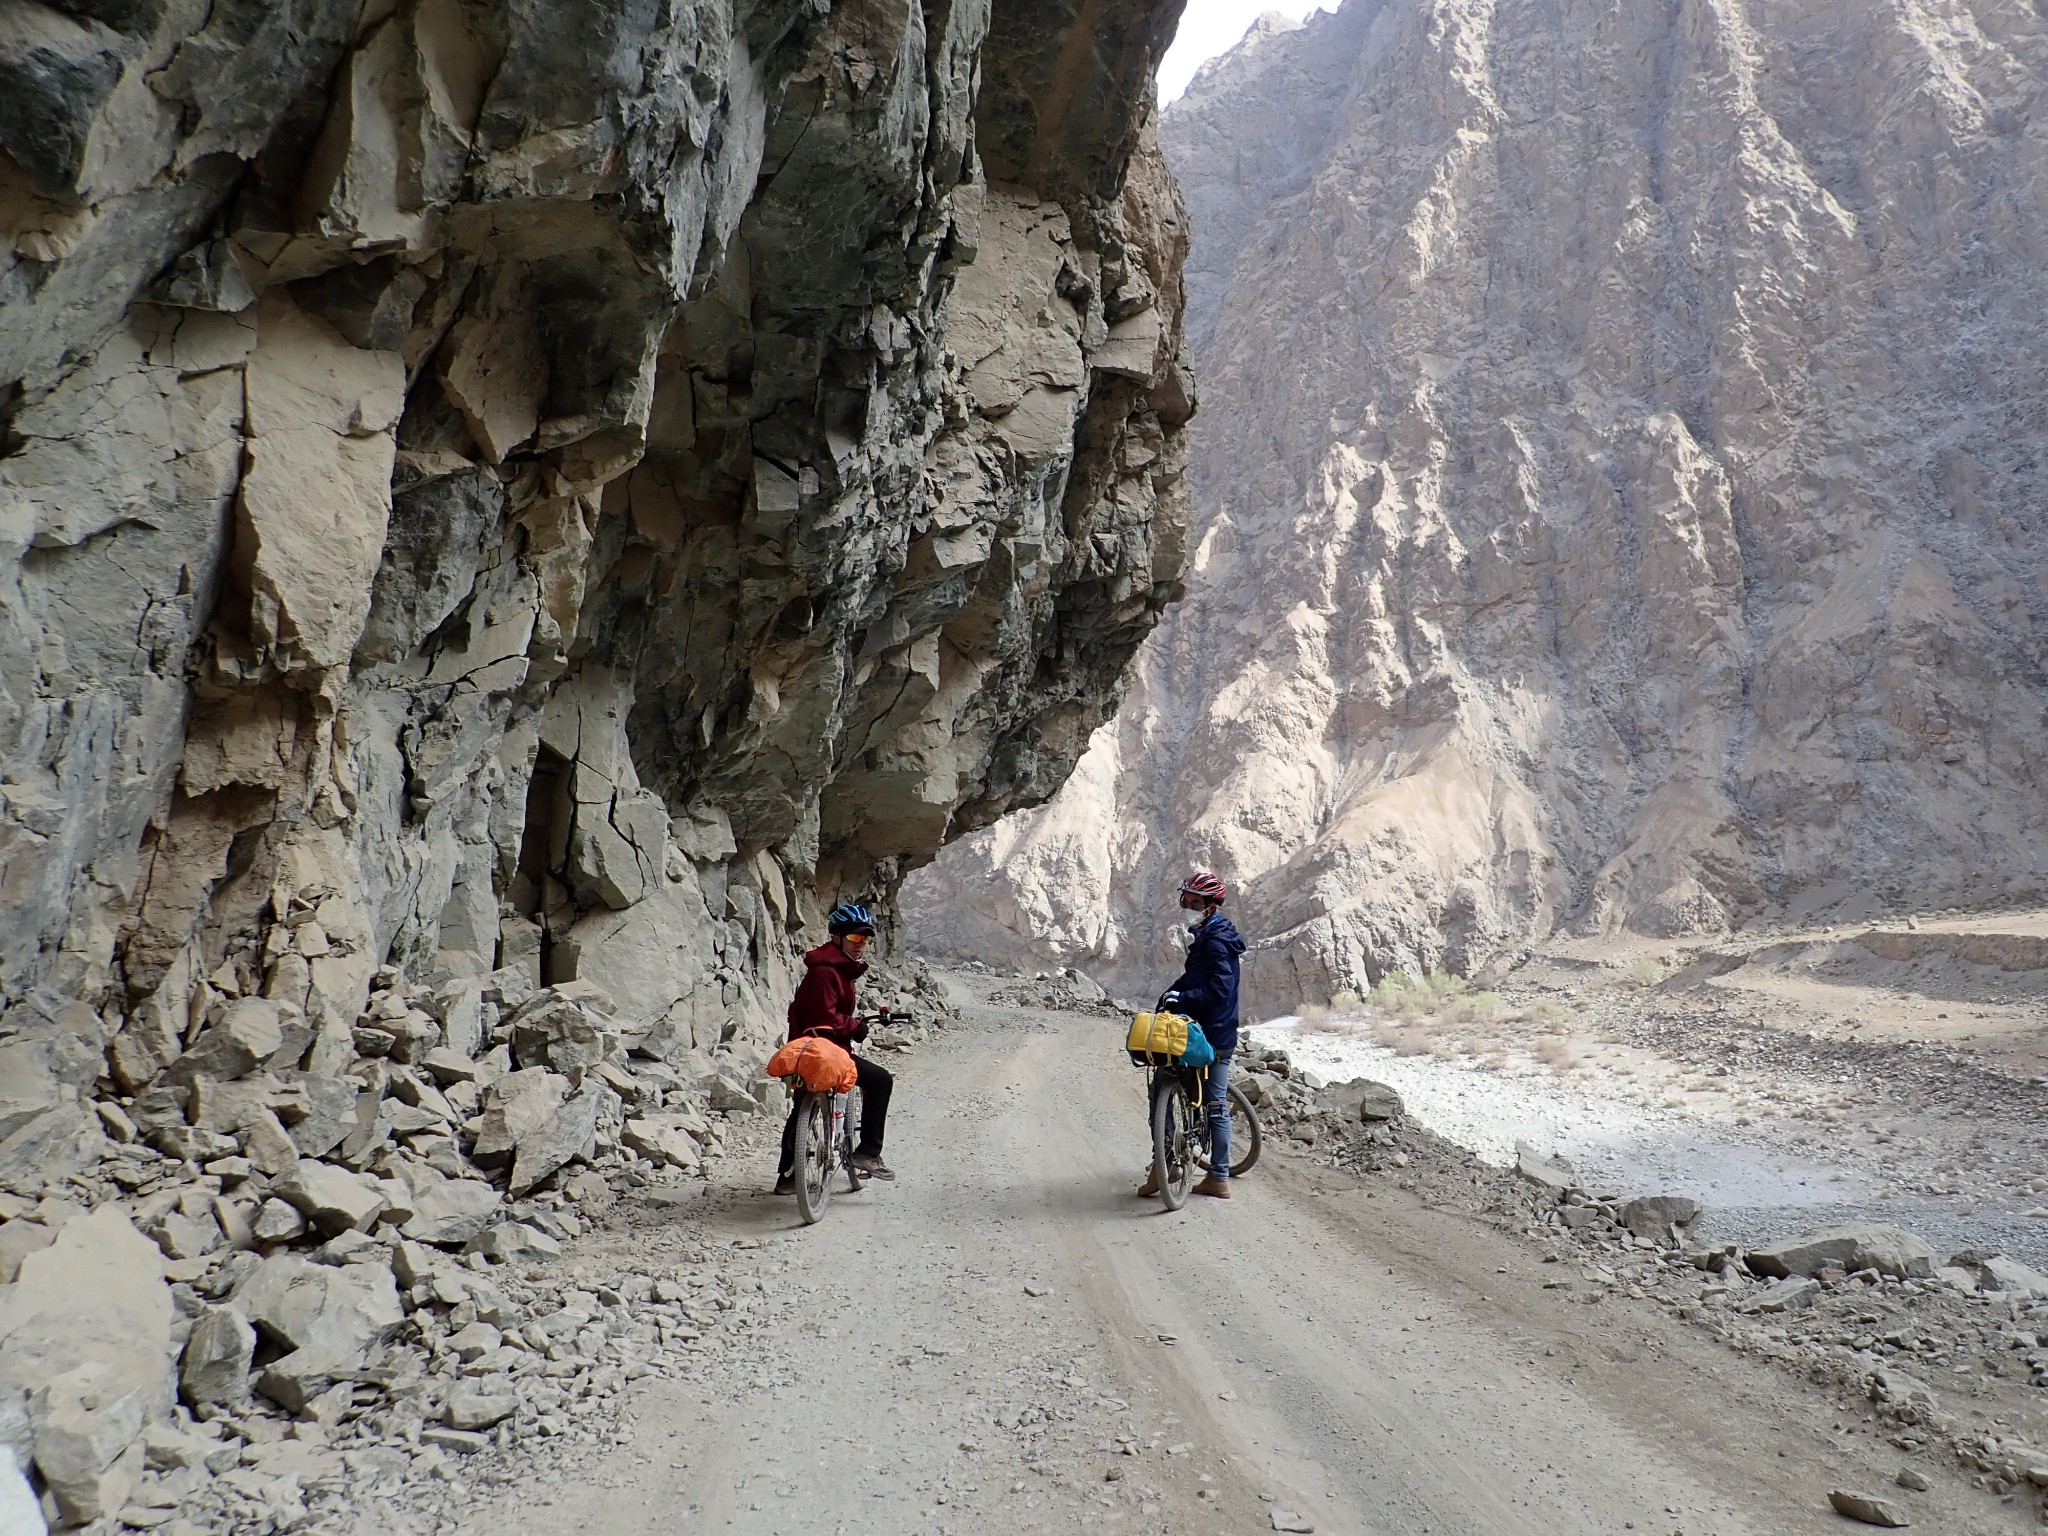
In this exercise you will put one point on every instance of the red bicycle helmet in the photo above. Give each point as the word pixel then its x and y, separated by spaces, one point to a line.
pixel 1204 885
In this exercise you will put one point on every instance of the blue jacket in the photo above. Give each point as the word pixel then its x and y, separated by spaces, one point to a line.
pixel 1208 987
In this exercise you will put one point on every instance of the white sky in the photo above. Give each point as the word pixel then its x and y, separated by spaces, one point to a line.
pixel 1210 27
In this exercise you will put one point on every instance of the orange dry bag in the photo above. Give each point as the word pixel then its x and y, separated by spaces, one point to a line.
pixel 817 1063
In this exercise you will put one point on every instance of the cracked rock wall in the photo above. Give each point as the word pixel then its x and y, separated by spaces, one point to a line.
pixel 1618 486
pixel 575 487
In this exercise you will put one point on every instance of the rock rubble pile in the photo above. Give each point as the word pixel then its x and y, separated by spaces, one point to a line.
pixel 297 1257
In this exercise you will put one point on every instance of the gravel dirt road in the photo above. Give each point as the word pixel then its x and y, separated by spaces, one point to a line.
pixel 1005 1340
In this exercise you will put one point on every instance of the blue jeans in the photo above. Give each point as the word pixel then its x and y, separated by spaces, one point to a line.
pixel 1216 1105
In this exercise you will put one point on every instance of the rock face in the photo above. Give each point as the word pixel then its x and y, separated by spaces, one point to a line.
pixel 575 487
pixel 1617 432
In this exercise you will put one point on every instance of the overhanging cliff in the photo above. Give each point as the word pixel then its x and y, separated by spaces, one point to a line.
pixel 573 486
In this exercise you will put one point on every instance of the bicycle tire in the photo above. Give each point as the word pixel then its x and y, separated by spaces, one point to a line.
pixel 814 1157
pixel 854 1181
pixel 1173 1158
pixel 1247 1133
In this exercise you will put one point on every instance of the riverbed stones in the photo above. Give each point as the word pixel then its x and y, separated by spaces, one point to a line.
pixel 1849 1248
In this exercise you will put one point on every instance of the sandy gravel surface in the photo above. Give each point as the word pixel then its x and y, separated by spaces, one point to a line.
pixel 1332 1349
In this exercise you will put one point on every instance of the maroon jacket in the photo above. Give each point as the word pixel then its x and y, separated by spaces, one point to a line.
pixel 823 1004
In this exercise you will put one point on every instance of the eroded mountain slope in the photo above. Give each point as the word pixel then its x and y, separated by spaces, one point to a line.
pixel 1618 492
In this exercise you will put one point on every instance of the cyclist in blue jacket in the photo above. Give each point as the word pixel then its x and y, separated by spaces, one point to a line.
pixel 1207 993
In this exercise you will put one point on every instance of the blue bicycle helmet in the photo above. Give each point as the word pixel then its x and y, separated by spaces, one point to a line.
pixel 851 917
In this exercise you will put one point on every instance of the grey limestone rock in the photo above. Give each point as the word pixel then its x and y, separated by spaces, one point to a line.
pixel 331 1198
pixel 514 1242
pixel 1658 1215
pixel 449 1212
pixel 568 1133
pixel 1849 1247
pixel 213 1369
pixel 329 1319
pixel 1546 1171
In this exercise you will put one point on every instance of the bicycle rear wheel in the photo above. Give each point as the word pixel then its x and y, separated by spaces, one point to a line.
pixel 1247 1135
pixel 814 1156
pixel 847 1141
pixel 1173 1159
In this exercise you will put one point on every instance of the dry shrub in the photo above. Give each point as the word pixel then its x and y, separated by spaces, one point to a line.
pixel 1405 1039
pixel 1555 1052
pixel 1438 995
pixel 1645 972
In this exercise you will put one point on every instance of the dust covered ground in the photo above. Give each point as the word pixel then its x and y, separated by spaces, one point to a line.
pixel 1379 1333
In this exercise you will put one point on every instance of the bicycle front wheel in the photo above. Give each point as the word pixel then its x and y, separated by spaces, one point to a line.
pixel 814 1156
pixel 1173 1160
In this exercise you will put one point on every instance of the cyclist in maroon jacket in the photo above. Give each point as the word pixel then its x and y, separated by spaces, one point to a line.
pixel 823 1006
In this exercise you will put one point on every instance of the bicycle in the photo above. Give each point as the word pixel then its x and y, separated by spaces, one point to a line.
pixel 826 1128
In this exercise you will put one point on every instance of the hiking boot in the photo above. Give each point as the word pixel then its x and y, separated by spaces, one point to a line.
pixel 785 1183
pixel 1212 1185
pixel 869 1165
pixel 1150 1186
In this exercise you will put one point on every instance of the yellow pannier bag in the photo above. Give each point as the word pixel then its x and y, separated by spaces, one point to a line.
pixel 1158 1039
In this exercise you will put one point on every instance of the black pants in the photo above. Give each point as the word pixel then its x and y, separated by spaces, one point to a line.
pixel 875 1087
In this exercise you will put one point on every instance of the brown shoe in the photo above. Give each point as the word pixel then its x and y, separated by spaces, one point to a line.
pixel 1212 1185
pixel 1150 1186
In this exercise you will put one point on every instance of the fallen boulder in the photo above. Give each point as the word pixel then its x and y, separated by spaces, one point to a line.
pixel 514 1242
pixel 329 1318
pixel 1999 1273
pixel 1849 1248
pixel 87 1424
pixel 95 1295
pixel 248 1032
pixel 549 1030
pixel 517 1104
pixel 1659 1216
pixel 566 1135
pixel 332 1198
pixel 1787 1295
pixel 662 1138
pixel 1545 1170
pixel 1870 1510
pixel 214 1369
pixel 449 1212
